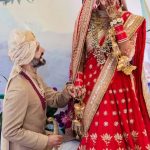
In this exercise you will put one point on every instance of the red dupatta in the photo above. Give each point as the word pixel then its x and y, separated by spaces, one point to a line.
pixel 144 100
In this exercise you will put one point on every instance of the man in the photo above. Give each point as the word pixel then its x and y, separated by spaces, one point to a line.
pixel 26 97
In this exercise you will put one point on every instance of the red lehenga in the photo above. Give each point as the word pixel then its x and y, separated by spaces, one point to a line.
pixel 117 111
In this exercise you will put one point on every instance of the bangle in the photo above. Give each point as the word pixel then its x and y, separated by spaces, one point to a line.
pixel 119 28
pixel 79 79
pixel 78 83
pixel 122 37
pixel 80 75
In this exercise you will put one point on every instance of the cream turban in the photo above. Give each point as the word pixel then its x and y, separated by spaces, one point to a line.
pixel 22 46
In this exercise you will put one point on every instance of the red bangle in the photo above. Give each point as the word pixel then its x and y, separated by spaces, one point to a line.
pixel 119 28
pixel 78 83
pixel 80 75
pixel 79 79
pixel 121 36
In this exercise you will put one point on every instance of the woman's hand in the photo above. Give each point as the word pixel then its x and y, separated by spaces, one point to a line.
pixel 111 9
pixel 76 91
pixel 107 3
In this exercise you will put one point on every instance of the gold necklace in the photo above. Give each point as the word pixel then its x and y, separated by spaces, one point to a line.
pixel 98 28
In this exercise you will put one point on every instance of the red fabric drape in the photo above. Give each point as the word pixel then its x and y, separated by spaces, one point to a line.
pixel 138 61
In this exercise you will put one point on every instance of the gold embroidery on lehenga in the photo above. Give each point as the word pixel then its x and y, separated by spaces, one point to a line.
pixel 125 136
pixel 148 147
pixel 82 147
pixel 137 147
pixel 80 36
pixel 118 137
pixel 96 96
pixel 145 132
pixel 106 138
pixel 134 135
pixel 93 137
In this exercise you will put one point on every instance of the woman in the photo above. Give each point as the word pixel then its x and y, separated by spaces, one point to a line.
pixel 109 64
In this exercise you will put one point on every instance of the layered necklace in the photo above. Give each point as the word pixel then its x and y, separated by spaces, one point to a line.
pixel 97 36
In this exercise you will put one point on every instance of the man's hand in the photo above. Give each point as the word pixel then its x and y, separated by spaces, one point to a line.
pixel 54 140
pixel 71 90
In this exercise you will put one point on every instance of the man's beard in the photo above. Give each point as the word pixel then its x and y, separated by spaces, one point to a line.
pixel 37 62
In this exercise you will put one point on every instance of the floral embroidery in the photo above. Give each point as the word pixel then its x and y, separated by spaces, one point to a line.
pixel 130 110
pixel 105 124
pixel 131 121
pixel 137 147
pixel 86 137
pixel 125 111
pixel 112 102
pixel 105 102
pixel 94 137
pixel 123 101
pixel 90 66
pixel 106 138
pixel 105 113
pixel 114 113
pixel 148 147
pixel 96 123
pixel 82 147
pixel 92 148
pixel 134 135
pixel 90 76
pixel 118 137
pixel 120 90
pixel 110 91
pixel 95 72
pixel 116 123
pixel 125 135
pixel 145 132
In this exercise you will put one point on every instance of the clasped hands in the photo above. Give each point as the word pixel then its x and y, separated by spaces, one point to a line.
pixel 77 92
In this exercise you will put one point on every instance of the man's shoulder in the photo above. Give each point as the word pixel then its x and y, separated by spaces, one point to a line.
pixel 18 82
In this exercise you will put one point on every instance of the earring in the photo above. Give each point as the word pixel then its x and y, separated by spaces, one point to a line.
pixel 96 4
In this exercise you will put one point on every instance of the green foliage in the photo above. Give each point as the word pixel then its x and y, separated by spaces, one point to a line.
pixel 12 1
pixel 0 121
pixel 1 96
pixel 51 111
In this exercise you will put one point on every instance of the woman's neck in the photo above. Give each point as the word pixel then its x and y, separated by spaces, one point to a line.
pixel 102 13
pixel 101 7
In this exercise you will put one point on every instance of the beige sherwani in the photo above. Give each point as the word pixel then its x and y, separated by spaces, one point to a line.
pixel 23 116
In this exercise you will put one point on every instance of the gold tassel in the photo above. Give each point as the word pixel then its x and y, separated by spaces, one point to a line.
pixel 77 125
pixel 56 129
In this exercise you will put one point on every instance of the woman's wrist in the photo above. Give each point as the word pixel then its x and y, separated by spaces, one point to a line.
pixel 121 35
pixel 79 79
